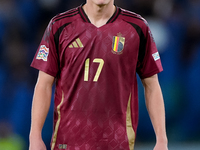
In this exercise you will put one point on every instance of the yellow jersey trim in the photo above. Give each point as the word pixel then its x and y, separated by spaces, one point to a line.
pixel 129 127
pixel 57 123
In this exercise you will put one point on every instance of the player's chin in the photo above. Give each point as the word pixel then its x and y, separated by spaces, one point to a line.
pixel 101 5
pixel 102 2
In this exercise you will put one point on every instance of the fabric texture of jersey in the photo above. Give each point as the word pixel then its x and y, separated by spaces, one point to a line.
pixel 96 97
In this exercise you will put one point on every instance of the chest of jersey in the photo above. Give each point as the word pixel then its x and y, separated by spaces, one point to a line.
pixel 111 42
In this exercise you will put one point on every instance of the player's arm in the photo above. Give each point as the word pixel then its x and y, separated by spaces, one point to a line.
pixel 156 110
pixel 40 108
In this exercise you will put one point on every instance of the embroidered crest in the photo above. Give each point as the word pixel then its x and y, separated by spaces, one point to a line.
pixel 43 53
pixel 118 43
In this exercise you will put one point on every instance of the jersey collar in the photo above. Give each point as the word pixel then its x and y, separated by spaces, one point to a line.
pixel 86 19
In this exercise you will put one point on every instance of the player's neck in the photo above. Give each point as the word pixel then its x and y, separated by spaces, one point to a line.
pixel 99 15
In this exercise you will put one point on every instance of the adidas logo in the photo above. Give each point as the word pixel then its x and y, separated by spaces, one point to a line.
pixel 76 44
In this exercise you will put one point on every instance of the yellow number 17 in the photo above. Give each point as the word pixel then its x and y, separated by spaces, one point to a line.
pixel 87 66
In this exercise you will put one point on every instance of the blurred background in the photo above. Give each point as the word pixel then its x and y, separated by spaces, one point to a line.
pixel 175 25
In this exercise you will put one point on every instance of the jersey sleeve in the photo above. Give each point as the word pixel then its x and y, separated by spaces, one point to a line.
pixel 46 57
pixel 150 63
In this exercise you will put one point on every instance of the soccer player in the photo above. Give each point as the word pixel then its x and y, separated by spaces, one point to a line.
pixel 93 53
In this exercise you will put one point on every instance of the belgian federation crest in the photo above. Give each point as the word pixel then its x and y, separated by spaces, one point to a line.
pixel 118 43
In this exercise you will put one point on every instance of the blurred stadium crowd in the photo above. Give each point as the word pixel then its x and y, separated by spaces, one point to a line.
pixel 176 28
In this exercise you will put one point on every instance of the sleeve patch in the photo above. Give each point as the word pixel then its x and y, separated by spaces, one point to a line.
pixel 43 53
pixel 156 56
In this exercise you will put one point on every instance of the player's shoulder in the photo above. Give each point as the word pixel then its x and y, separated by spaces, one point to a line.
pixel 66 17
pixel 133 17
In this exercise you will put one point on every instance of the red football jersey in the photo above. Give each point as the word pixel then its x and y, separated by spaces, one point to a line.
pixel 96 97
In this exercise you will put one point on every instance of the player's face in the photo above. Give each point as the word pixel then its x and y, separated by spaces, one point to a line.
pixel 102 2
